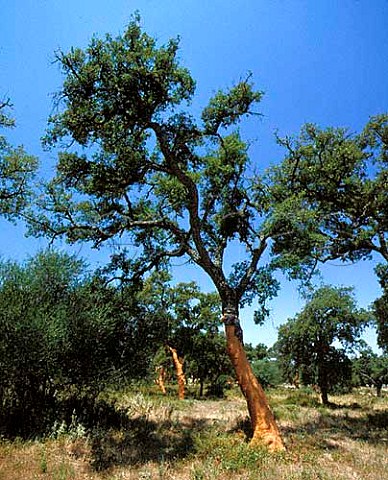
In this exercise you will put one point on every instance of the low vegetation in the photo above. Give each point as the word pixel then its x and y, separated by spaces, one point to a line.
pixel 144 435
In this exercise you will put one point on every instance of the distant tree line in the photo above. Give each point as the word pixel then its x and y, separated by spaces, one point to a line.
pixel 68 334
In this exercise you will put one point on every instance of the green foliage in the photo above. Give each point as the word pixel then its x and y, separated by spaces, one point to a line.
pixel 17 169
pixel 380 308
pixel 226 109
pixel 268 371
pixel 306 343
pixel 65 334
pixel 115 85
pixel 141 168
pixel 302 397
pixel 33 335
pixel 371 369
pixel 338 185
pixel 182 317
pixel 259 352
pixel 231 455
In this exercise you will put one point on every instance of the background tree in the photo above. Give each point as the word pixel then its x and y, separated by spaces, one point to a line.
pixel 257 352
pixel 56 320
pixel 195 333
pixel 33 335
pixel 380 308
pixel 306 343
pixel 371 369
pixel 142 168
pixel 338 180
pixel 187 322
pixel 17 169
pixel 209 364
pixel 265 365
pixel 331 197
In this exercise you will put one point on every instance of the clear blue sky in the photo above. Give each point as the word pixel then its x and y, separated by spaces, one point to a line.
pixel 321 61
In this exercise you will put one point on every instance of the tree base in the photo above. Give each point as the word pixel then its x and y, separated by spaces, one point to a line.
pixel 271 440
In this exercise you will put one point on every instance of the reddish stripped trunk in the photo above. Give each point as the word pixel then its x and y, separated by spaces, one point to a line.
pixel 178 364
pixel 265 429
pixel 160 381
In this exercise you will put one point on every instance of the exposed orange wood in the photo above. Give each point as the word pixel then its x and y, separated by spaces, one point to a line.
pixel 265 429
pixel 160 381
pixel 178 364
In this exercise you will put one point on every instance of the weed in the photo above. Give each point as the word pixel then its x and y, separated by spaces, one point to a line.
pixel 197 474
pixel 145 476
pixel 205 471
pixel 302 398
pixel 43 460
pixel 64 472
pixel 74 430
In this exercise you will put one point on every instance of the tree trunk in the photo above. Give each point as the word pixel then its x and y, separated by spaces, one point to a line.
pixel 296 380
pixel 178 364
pixel 265 429
pixel 323 381
pixel 160 381
pixel 379 387
pixel 324 396
pixel 201 387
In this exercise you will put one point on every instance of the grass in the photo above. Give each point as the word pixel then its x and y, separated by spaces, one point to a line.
pixel 156 438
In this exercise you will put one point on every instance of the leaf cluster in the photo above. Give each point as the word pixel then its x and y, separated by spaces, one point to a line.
pixel 380 308
pixel 17 170
pixel 371 368
pixel 63 331
pixel 338 185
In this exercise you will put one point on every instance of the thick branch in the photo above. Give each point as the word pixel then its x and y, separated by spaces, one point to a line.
pixel 203 258
pixel 257 253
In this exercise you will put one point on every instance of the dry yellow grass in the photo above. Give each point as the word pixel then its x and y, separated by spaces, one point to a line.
pixel 198 440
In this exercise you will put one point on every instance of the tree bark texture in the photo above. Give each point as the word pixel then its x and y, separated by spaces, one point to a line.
pixel 201 387
pixel 178 364
pixel 265 429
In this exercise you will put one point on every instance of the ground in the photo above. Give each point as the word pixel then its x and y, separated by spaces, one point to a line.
pixel 146 436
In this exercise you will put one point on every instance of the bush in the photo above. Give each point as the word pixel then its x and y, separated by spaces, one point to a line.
pixel 268 372
pixel 63 334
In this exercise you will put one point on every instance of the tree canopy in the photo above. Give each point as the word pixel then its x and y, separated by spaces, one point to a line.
pixel 63 331
pixel 371 369
pixel 148 171
pixel 380 308
pixel 307 343
pixel 17 169
pixel 187 320
pixel 339 185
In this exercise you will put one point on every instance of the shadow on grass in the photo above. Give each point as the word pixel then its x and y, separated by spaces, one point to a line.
pixel 118 440
pixel 243 425
pixel 341 423
pixel 142 440
pixel 115 438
